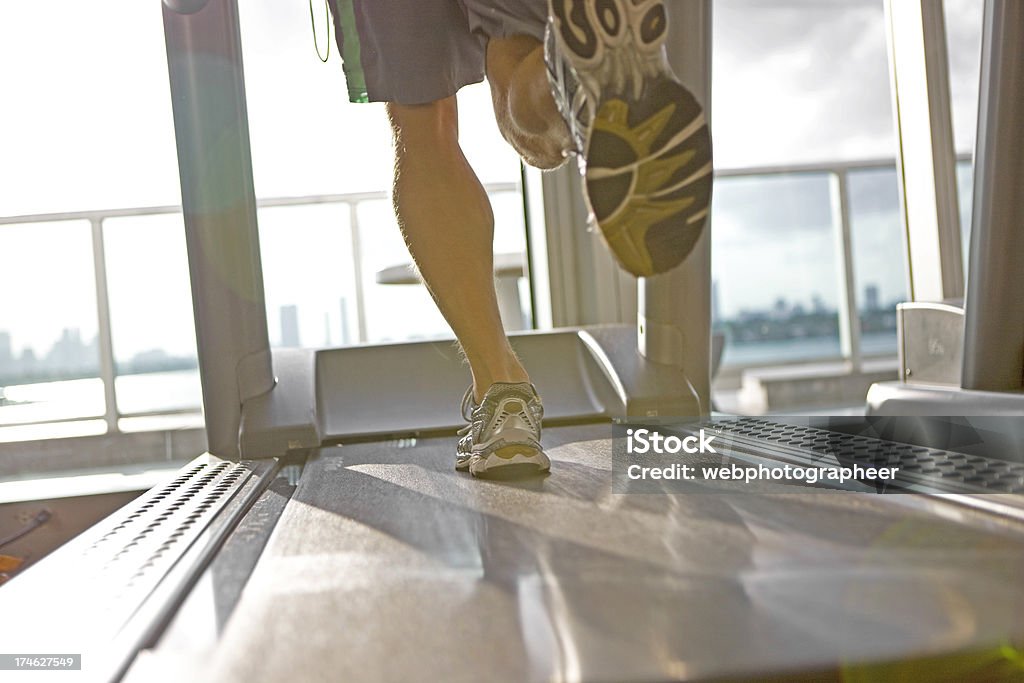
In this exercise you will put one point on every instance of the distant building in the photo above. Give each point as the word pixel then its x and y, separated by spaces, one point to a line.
pixel 290 326
pixel 818 304
pixel 871 298
pixel 346 334
pixel 6 354
pixel 780 310
pixel 28 361
pixel 70 354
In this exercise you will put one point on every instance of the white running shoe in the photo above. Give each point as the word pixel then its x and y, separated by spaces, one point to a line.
pixel 503 434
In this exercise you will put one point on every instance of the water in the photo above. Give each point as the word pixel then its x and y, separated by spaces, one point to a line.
pixel 795 350
pixel 83 398
pixel 51 401
pixel 180 390
pixel 159 391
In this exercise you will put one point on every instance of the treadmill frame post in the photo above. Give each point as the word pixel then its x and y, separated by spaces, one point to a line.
pixel 994 327
pixel 992 376
pixel 204 59
pixel 919 73
pixel 674 309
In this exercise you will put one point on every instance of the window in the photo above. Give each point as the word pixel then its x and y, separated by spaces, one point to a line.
pixel 308 140
pixel 801 102
pixel 802 91
pixel 49 355
pixel 152 328
pixel 92 140
pixel 879 256
pixel 774 266
pixel 798 81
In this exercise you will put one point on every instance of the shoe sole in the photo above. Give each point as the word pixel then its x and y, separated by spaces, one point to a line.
pixel 648 157
pixel 510 462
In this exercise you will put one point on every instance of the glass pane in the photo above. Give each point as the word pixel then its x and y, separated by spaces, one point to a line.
pixel 490 156
pixel 879 256
pixel 307 139
pixel 965 188
pixel 308 275
pixel 394 312
pixel 398 306
pixel 151 318
pixel 774 269
pixel 49 355
pixel 510 242
pixel 963 34
pixel 87 125
pixel 800 81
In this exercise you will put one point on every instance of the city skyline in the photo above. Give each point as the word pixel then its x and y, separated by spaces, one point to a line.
pixel 870 301
pixel 71 356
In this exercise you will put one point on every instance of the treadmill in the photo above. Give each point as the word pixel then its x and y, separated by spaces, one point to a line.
pixel 325 536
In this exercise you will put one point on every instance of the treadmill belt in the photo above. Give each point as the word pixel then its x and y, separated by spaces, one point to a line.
pixel 387 565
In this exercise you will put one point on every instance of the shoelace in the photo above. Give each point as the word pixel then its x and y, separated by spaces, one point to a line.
pixel 468 405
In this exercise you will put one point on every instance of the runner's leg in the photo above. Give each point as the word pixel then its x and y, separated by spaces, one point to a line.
pixel 446 219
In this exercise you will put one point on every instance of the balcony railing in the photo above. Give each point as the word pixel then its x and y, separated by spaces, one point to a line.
pixel 96 219
pixel 838 174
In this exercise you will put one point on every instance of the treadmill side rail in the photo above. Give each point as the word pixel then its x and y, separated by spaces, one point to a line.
pixel 105 593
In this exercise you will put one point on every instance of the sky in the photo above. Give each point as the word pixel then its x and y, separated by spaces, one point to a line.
pixel 85 123
pixel 802 81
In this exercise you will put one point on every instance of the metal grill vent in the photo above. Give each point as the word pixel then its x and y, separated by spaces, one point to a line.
pixel 946 470
pixel 130 558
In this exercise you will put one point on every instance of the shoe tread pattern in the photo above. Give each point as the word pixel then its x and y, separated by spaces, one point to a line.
pixel 648 149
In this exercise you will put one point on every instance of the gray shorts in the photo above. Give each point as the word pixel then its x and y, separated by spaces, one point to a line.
pixel 419 51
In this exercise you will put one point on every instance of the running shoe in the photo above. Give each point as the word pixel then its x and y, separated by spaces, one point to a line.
pixel 641 137
pixel 503 434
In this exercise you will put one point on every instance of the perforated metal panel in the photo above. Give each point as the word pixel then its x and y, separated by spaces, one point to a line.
pixel 140 547
pixel 927 468
pixel 105 589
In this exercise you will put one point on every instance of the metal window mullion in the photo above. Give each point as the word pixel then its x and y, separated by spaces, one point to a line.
pixel 849 320
pixel 357 268
pixel 919 70
pixel 106 350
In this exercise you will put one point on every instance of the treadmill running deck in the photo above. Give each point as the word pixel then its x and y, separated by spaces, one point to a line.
pixel 386 564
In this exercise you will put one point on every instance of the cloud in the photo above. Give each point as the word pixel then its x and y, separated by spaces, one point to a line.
pixel 806 80
pixel 781 206
pixel 800 80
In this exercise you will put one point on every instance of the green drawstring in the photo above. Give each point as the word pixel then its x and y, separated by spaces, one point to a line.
pixel 312 21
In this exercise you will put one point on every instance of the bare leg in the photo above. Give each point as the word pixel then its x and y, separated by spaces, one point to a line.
pixel 446 219
pixel 523 104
